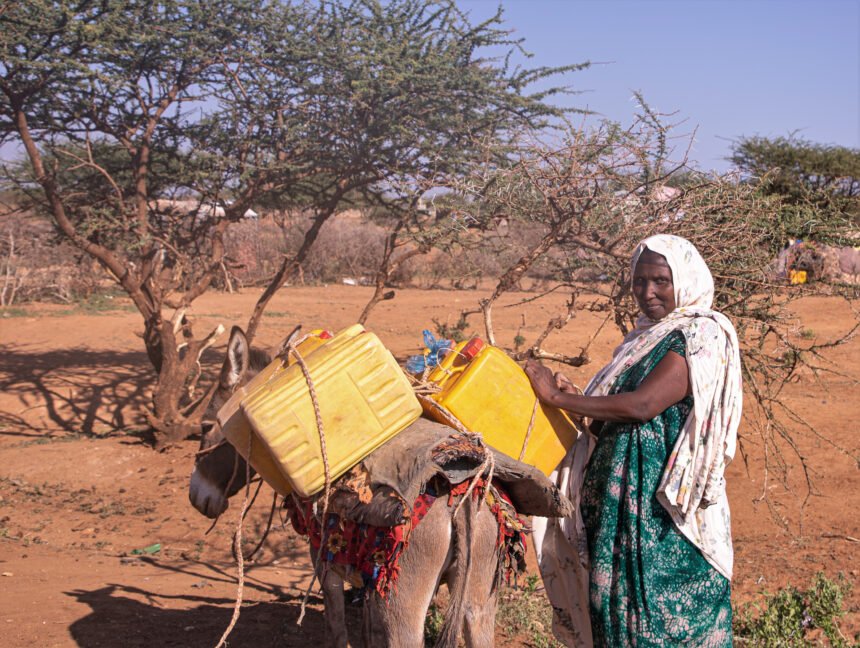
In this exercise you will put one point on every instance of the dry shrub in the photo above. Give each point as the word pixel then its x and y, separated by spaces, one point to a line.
pixel 347 246
pixel 442 269
pixel 254 249
pixel 350 246
pixel 35 266
pixel 595 192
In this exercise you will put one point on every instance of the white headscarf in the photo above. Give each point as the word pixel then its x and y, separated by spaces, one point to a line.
pixel 692 487
pixel 693 476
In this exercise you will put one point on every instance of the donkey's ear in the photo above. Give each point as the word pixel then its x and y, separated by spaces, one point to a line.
pixel 236 363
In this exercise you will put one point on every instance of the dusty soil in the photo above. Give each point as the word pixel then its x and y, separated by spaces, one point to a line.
pixel 80 489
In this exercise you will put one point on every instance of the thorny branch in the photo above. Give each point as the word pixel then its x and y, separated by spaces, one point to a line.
pixel 589 199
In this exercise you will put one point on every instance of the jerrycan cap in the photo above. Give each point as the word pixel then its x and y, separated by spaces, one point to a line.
pixel 473 348
pixel 326 334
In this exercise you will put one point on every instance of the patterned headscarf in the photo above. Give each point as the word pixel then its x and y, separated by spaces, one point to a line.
pixel 694 285
pixel 692 488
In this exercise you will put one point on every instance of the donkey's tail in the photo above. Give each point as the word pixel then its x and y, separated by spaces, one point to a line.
pixel 463 532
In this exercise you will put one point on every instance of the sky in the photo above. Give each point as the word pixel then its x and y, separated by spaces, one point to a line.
pixel 728 68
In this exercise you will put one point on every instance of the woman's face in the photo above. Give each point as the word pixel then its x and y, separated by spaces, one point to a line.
pixel 653 287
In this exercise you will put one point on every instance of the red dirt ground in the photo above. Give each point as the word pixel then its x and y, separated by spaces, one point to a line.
pixel 79 489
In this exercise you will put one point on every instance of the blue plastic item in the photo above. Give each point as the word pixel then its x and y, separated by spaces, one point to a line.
pixel 434 352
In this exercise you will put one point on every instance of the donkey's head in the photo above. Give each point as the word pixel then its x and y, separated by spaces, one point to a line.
pixel 219 471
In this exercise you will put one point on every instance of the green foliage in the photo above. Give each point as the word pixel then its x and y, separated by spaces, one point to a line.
pixel 307 105
pixel 456 331
pixel 785 164
pixel 433 624
pixel 819 183
pixel 787 617
pixel 103 302
pixel 12 311
pixel 98 303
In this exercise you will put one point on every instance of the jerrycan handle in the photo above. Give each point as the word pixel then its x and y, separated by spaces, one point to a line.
pixel 449 368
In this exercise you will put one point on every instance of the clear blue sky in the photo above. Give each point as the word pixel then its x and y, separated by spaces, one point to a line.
pixel 729 67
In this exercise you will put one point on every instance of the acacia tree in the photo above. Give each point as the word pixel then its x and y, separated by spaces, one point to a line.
pixel 126 107
pixel 811 178
pixel 96 95
pixel 408 103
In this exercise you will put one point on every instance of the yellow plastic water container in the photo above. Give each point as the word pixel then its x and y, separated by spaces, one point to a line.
pixel 797 277
pixel 489 393
pixel 237 429
pixel 364 400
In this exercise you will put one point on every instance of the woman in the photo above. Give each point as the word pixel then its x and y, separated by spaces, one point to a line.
pixel 652 498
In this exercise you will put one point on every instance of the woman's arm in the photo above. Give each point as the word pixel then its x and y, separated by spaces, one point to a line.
pixel 668 383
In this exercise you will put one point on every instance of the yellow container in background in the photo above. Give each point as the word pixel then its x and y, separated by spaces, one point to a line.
pixel 490 393
pixel 796 277
pixel 237 429
pixel 364 399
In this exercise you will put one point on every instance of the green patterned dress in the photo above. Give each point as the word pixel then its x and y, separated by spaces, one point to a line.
pixel 650 586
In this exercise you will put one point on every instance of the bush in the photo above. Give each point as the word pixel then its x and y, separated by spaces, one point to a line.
pixel 35 266
pixel 788 617
pixel 347 246
pixel 350 245
pixel 526 612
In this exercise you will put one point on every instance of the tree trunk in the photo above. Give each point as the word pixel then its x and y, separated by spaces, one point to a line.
pixel 177 354
pixel 289 266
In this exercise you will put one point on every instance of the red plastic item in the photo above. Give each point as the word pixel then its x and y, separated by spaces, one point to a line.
pixel 473 348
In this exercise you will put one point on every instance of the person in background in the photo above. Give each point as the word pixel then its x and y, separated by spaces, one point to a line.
pixel 648 555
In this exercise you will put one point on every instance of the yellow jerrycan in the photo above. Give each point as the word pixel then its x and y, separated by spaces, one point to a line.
pixel 237 429
pixel 483 388
pixel 364 399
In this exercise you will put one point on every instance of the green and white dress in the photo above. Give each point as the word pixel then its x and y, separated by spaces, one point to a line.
pixel 649 585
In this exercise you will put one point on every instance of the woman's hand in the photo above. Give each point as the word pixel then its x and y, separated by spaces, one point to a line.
pixel 565 385
pixel 543 381
pixel 667 384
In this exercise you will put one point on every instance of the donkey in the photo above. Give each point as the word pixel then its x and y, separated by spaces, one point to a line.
pixel 460 550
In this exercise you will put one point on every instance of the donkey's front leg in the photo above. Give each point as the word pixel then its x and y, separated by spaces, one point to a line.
pixel 335 616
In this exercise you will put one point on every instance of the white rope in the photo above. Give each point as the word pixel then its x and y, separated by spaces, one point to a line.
pixel 240 559
pixel 529 431
pixel 291 348
pixel 489 463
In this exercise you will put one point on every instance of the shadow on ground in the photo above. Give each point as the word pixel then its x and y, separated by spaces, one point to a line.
pixel 80 391
pixel 120 616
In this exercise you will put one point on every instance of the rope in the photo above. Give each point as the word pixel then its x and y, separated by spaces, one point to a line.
pixel 489 464
pixel 291 348
pixel 268 527
pixel 237 544
pixel 422 384
pixel 248 510
pixel 450 419
pixel 228 486
pixel 213 448
pixel 529 431
pixel 532 423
